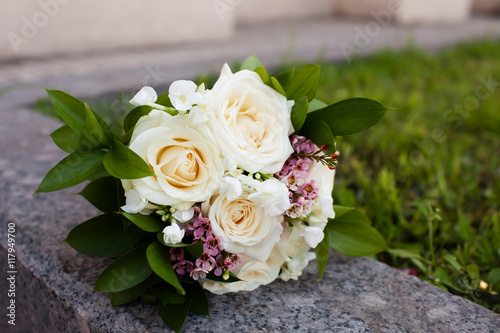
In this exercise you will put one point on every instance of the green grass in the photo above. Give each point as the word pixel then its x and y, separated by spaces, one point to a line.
pixel 428 175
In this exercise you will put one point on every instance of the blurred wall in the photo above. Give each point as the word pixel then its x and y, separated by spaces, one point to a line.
pixel 256 11
pixel 39 28
pixel 486 5
pixel 43 27
pixel 408 11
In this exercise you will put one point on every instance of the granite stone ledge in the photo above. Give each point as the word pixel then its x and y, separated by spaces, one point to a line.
pixel 55 283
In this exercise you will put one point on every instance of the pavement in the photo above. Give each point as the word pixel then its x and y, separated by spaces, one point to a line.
pixel 328 39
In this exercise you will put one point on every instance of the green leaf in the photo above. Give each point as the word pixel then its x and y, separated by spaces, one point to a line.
pixel 420 264
pixel 319 132
pixel 134 115
pixel 127 271
pixel 120 194
pixel 123 163
pixel 303 83
pixel 103 236
pixel 353 215
pixel 316 104
pixel 285 77
pixel 199 302
pixel 146 222
pixel 102 193
pixel 167 294
pixel 71 109
pixel 91 135
pixel 322 251
pixel 349 116
pixel 108 133
pixel 127 137
pixel 164 100
pixel 149 297
pixel 277 86
pixel 442 276
pixel 299 113
pixel 65 138
pixel 128 295
pixel 406 253
pixel 352 235
pixel 263 74
pixel 158 259
pixel 195 250
pixel 72 170
pixel 494 276
pixel 174 315
pixel 473 272
pixel 341 210
pixel 452 260
pixel 251 63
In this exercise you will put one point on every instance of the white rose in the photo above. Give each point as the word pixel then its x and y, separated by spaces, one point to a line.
pixel 173 234
pixel 155 118
pixel 252 273
pixel 250 121
pixel 184 159
pixel 244 226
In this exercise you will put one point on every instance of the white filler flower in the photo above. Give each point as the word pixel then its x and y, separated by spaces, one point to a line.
pixel 173 234
pixel 183 216
pixel 183 94
pixel 273 196
pixel 145 96
pixel 313 236
pixel 134 202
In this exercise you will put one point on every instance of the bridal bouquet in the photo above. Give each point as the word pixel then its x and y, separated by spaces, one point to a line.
pixel 222 189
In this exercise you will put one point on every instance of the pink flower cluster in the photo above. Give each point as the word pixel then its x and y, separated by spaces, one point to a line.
pixel 214 258
pixel 294 174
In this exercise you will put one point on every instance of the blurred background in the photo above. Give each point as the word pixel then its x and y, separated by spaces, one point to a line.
pixel 37 28
pixel 428 175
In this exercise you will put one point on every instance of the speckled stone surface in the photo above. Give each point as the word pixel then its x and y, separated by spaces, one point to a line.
pixel 54 282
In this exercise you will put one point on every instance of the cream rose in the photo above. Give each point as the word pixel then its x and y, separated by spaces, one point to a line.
pixel 244 226
pixel 185 161
pixel 250 121
pixel 252 274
